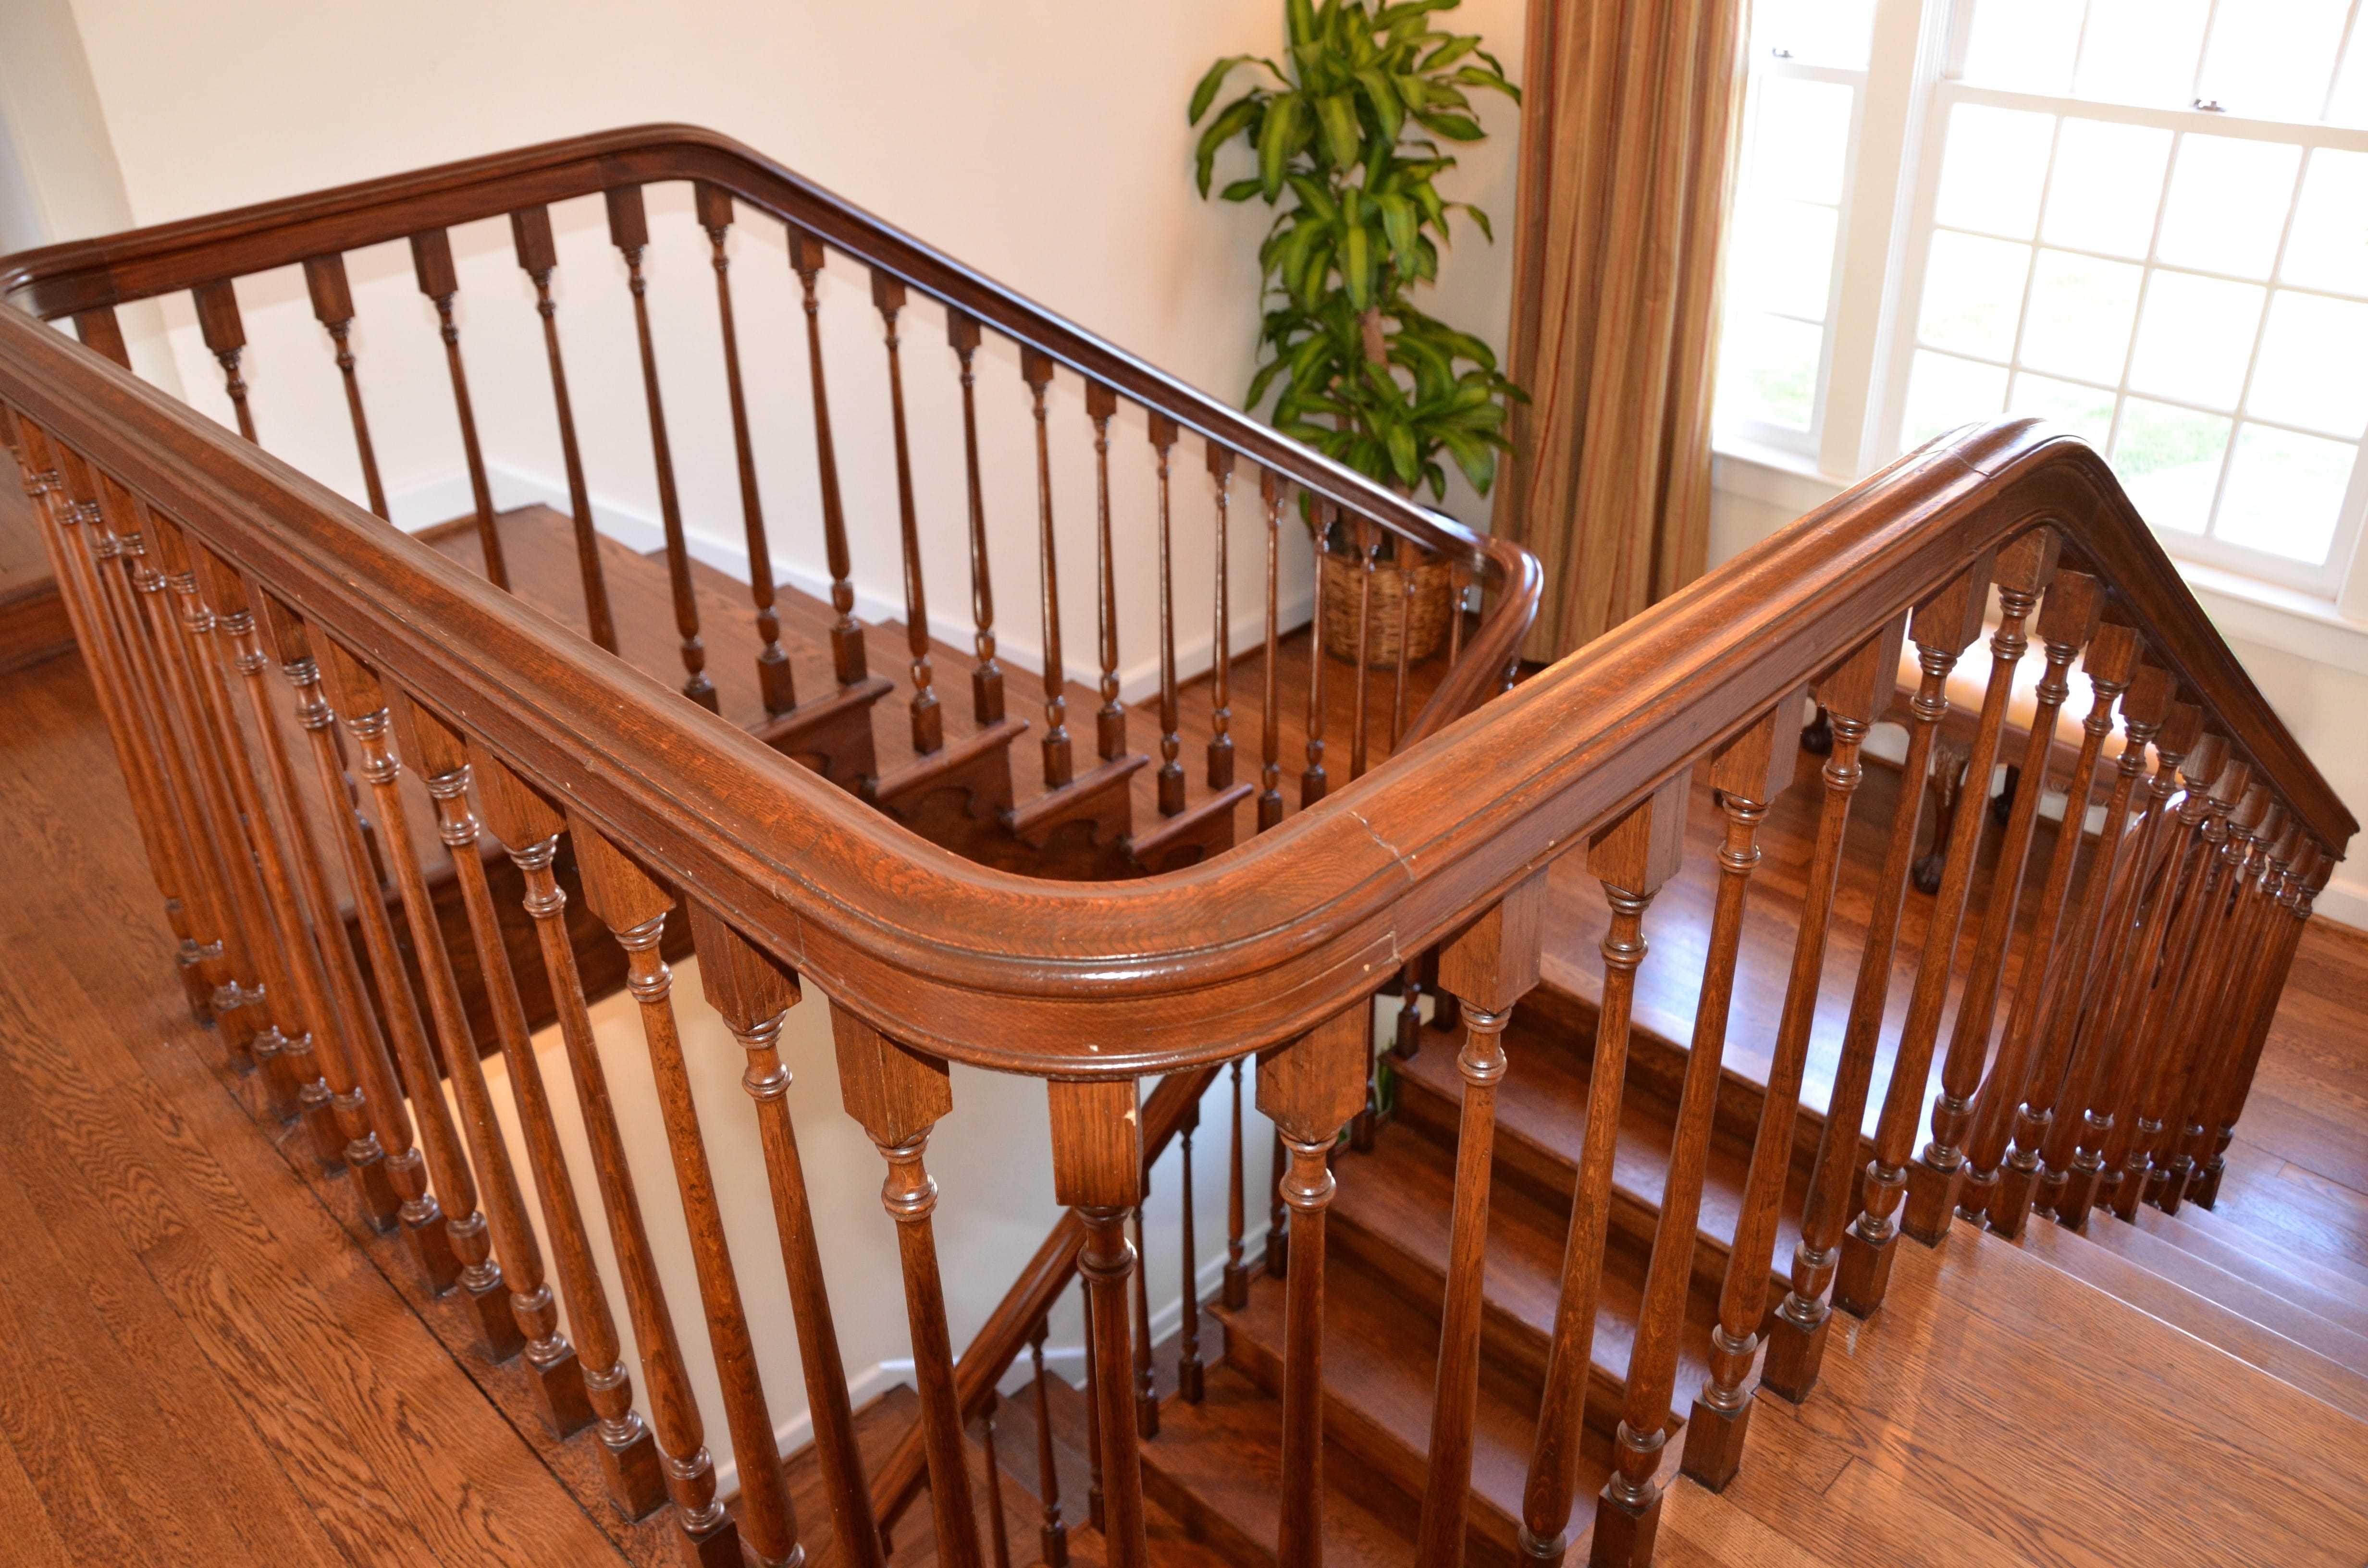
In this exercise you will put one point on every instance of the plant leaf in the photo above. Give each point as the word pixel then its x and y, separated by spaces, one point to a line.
pixel 1205 93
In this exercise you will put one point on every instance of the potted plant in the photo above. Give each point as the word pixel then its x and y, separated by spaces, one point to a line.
pixel 1347 132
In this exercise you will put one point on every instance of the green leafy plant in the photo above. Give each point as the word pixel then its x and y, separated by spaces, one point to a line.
pixel 1349 128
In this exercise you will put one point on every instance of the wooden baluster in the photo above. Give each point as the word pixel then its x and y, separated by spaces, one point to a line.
pixel 424 1224
pixel 198 950
pixel 1312 781
pixel 333 307
pixel 1036 369
pixel 344 1026
pixel 1277 1217
pixel 1492 965
pixel 898 1095
pixel 1359 726
pixel 2055 964
pixel 806 257
pixel 754 992
pixel 431 260
pixel 538 256
pixel 1748 773
pixel 2111 657
pixel 1093 1408
pixel 2066 619
pixel 929 719
pixel 628 230
pixel 1053 1534
pixel 1274 492
pixel 225 338
pixel 1458 585
pixel 2172 964
pixel 985 673
pixel 2023 569
pixel 1221 636
pixel 1098 1170
pixel 309 1052
pixel 1943 628
pixel 185 688
pixel 1632 856
pixel 166 665
pixel 637 1479
pixel 1109 719
pixel 1171 745
pixel 2254 1009
pixel 1853 694
pixel 1309 1088
pixel 1146 1387
pixel 2229 832
pixel 2296 899
pixel 2218 1030
pixel 2072 1038
pixel 364 705
pixel 1407 555
pixel 1190 1379
pixel 1236 1287
pixel 2137 936
pixel 557 1380
pixel 998 1531
pixel 634 907
pixel 712 204
pixel 103 334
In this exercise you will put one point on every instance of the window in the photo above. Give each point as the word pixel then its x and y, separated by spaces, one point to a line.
pixel 2144 219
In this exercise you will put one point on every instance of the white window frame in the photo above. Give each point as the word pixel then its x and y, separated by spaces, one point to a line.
pixel 2325 579
pixel 1891 179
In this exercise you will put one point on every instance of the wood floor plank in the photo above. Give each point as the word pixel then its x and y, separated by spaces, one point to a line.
pixel 26 1522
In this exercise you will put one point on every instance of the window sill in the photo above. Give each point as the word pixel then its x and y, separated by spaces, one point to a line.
pixel 2275 616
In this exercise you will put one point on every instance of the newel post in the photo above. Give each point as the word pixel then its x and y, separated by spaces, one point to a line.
pixel 1310 1088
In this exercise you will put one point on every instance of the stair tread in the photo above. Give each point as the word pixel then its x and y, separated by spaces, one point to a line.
pixel 2171 1302
pixel 1222 1457
pixel 2238 1294
pixel 1400 1198
pixel 1380 1368
pixel 2336 1296
pixel 1542 1101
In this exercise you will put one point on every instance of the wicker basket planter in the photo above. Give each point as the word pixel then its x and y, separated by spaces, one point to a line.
pixel 1420 620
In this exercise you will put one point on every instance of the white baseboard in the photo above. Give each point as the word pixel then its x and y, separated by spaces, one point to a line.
pixel 441 500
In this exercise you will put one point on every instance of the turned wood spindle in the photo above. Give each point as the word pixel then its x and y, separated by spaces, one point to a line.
pixel 442 762
pixel 1943 628
pixel 847 656
pixel 1221 634
pixel 1237 1287
pixel 1313 782
pixel 423 1223
pixel 431 261
pixel 1053 1534
pixel 2023 568
pixel 1147 1386
pixel 628 230
pixel 897 1096
pixel 1171 745
pixel 987 672
pixel 1491 966
pixel 1274 492
pixel 1857 691
pixel 1190 1377
pixel 1036 369
pixel 2238 945
pixel 538 256
pixel 364 703
pixel 1748 773
pixel 754 992
pixel 333 307
pixel 1632 856
pixel 1309 1088
pixel 531 828
pixel 633 906
pixel 929 719
pixel 1109 719
pixel 2066 619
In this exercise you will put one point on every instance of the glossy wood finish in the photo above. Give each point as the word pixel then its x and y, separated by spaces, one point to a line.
pixel 537 254
pixel 431 260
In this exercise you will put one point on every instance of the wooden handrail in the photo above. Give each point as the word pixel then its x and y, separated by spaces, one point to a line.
pixel 1083 980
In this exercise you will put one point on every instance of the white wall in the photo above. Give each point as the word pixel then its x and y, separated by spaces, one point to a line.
pixel 1044 144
